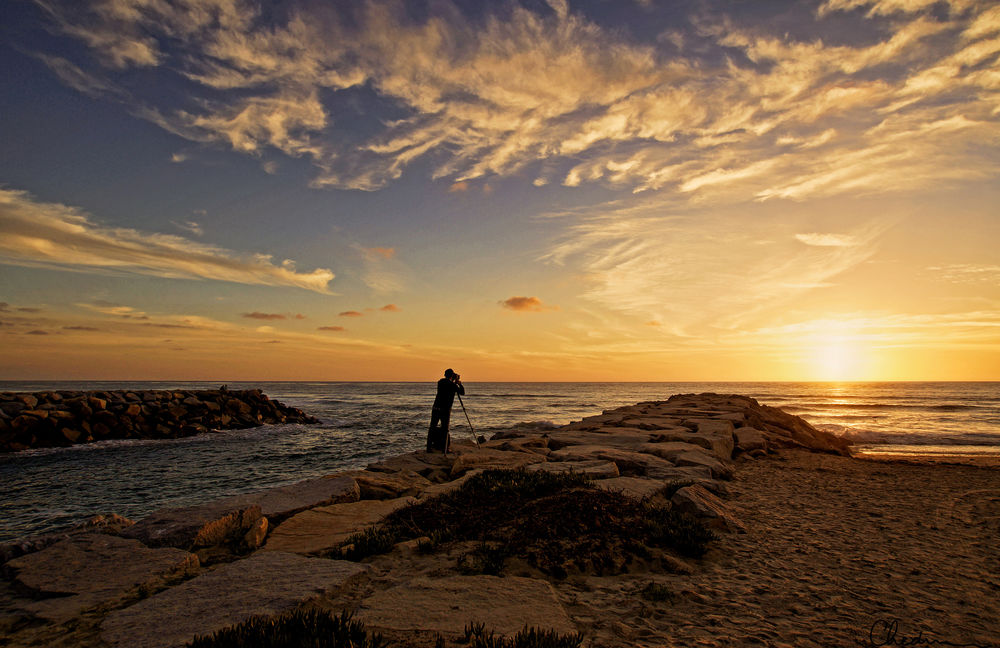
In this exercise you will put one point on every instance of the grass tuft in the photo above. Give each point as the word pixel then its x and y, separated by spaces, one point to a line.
pixel 656 593
pixel 477 637
pixel 299 629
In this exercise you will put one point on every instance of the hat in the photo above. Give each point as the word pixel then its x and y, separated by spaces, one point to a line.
pixel 448 372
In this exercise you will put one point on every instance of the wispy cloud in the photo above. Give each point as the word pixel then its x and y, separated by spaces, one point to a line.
pixel 190 227
pixel 391 308
pixel 968 273
pixel 551 90
pixel 826 240
pixel 525 304
pixel 54 235
pixel 265 316
pixel 331 328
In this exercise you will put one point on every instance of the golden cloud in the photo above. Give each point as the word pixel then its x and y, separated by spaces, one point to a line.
pixel 53 235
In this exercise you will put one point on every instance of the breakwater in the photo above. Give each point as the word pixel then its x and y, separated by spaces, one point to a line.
pixel 61 418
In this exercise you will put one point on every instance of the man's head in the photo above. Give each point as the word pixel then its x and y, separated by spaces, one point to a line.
pixel 448 373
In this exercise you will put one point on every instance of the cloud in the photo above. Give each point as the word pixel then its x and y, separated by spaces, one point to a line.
pixel 28 309
pixel 458 187
pixel 331 328
pixel 968 273
pixel 80 328
pixel 391 308
pixel 518 88
pixel 115 310
pixel 826 240
pixel 4 306
pixel 34 233
pixel 37 332
pixel 351 314
pixel 264 316
pixel 300 316
pixel 190 226
pixel 524 304
pixel 380 252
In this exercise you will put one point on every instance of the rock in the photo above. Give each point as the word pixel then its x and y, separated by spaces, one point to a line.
pixel 623 438
pixel 634 487
pixel 629 463
pixel 595 469
pixel 267 583
pixel 697 501
pixel 447 605
pixel 718 443
pixel 283 501
pixel 447 487
pixel 254 538
pixel 28 400
pixel 435 466
pixel 485 458
pixel 193 527
pixel 748 439
pixel 326 527
pixel 376 485
pixel 93 568
pixel 689 454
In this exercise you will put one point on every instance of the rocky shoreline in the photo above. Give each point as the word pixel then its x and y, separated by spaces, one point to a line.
pixel 62 418
pixel 526 530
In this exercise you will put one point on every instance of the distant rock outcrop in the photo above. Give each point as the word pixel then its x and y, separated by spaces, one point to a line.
pixel 62 418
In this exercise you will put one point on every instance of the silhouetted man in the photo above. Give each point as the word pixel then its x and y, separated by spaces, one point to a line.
pixel 437 435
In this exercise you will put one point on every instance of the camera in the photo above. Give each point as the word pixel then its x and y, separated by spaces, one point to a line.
pixel 455 377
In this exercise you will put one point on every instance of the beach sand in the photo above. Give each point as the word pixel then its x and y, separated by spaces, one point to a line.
pixel 833 546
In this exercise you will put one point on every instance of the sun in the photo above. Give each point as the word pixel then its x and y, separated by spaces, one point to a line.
pixel 837 358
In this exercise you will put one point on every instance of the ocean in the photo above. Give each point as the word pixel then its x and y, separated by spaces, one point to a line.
pixel 48 489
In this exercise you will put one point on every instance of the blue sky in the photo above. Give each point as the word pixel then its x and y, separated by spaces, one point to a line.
pixel 549 190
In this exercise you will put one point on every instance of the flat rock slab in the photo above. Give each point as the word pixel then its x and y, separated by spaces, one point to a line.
pixel 447 605
pixel 718 443
pixel 287 500
pixel 325 527
pixel 93 569
pixel 629 463
pixel 381 486
pixel 595 469
pixel 486 458
pixel 266 583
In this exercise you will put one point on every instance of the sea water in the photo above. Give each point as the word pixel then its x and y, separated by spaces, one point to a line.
pixel 47 489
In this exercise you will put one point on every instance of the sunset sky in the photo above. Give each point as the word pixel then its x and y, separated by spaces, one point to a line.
pixel 603 190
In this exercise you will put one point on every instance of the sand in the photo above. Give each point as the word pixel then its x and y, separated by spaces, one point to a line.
pixel 834 545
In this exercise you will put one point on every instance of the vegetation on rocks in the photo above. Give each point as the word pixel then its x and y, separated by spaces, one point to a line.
pixel 557 522
pixel 476 636
pixel 299 629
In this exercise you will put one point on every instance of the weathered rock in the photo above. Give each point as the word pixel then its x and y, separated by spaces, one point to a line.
pixel 718 443
pixel 595 469
pixel 447 605
pixel 254 538
pixel 447 487
pixel 381 486
pixel 624 438
pixel 279 503
pixel 485 458
pixel 325 527
pixel 629 463
pixel 194 527
pixel 689 454
pixel 86 570
pixel 268 583
pixel 697 501
pixel 434 466
pixel 748 439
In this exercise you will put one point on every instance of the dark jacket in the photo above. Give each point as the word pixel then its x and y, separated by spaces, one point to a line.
pixel 446 394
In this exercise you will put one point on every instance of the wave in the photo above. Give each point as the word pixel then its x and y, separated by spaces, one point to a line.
pixel 949 407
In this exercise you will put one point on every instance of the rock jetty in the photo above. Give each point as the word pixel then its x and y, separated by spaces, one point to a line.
pixel 337 543
pixel 62 418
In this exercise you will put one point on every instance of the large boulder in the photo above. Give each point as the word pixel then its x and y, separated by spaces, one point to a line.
pixel 325 527
pixel 748 439
pixel 699 502
pixel 268 583
pixel 378 485
pixel 447 605
pixel 87 570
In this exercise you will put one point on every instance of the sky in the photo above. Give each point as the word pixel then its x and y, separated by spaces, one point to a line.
pixel 611 190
